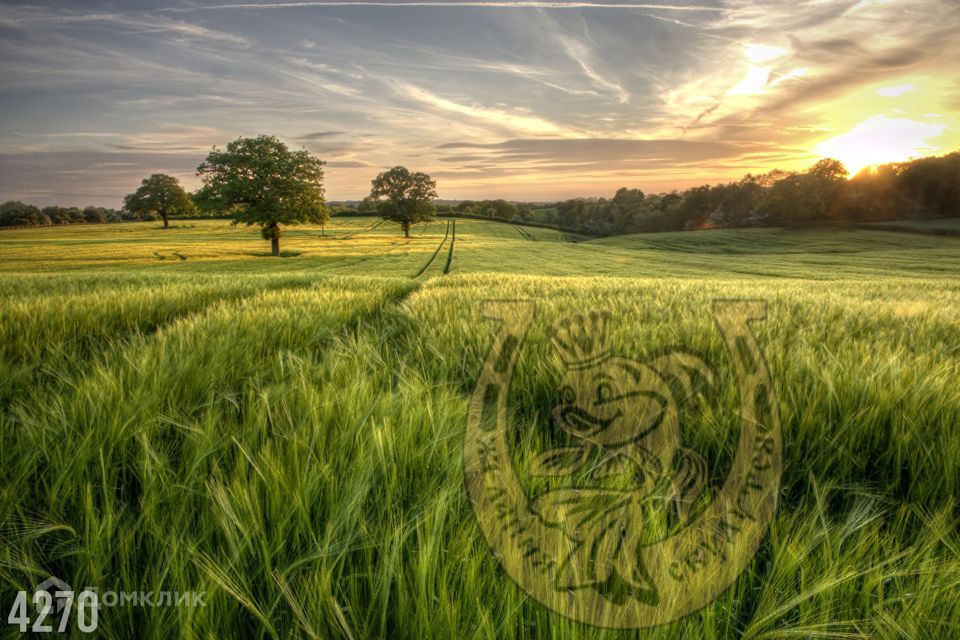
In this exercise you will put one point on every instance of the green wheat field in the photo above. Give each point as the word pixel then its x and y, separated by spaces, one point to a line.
pixel 181 412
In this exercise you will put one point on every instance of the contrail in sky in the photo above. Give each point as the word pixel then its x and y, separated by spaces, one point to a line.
pixel 395 4
pixel 519 4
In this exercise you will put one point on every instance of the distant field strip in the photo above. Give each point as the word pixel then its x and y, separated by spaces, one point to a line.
pixel 217 247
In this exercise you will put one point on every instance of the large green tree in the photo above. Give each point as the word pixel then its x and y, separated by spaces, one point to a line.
pixel 160 194
pixel 260 181
pixel 409 197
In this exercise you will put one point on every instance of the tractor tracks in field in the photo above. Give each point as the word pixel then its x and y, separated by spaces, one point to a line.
pixel 526 235
pixel 451 235
pixel 434 256
pixel 352 262
pixel 453 241
pixel 340 264
pixel 363 230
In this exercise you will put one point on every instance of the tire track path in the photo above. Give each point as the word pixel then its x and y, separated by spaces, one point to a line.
pixel 435 253
pixel 453 241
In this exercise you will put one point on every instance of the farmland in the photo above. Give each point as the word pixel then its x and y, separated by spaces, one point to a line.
pixel 182 412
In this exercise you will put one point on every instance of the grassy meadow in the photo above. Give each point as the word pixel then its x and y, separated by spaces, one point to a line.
pixel 181 412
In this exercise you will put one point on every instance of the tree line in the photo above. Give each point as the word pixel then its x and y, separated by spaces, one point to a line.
pixel 823 194
pixel 260 181
pixel 14 213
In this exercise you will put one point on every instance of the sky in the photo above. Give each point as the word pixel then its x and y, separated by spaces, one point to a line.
pixel 535 101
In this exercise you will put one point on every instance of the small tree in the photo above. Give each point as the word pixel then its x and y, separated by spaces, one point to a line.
pixel 160 194
pixel 409 197
pixel 262 182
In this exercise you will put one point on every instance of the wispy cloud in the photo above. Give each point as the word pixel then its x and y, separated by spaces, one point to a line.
pixel 512 121
pixel 580 54
pixel 897 91
pixel 136 22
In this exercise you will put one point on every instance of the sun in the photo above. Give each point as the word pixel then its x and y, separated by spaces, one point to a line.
pixel 880 140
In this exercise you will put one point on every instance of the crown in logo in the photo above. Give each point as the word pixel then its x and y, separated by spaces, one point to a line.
pixel 582 340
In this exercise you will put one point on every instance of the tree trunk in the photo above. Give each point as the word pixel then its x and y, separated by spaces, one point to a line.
pixel 406 229
pixel 275 246
pixel 166 220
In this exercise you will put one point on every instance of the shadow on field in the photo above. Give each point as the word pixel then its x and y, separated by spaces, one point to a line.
pixel 267 254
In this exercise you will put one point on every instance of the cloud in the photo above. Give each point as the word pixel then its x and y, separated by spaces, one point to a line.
pixel 348 164
pixel 897 91
pixel 138 22
pixel 844 76
pixel 809 53
pixel 596 151
pixel 580 54
pixel 86 176
pixel 68 134
pixel 759 53
pixel 175 138
pixel 516 122
pixel 320 135
pixel 185 29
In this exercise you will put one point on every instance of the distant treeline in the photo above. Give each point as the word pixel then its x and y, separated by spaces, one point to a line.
pixel 17 214
pixel 919 189
pixel 926 188
pixel 915 190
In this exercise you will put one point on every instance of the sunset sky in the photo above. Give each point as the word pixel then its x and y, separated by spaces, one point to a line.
pixel 521 100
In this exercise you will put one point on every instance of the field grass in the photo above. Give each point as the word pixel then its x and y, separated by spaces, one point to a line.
pixel 182 413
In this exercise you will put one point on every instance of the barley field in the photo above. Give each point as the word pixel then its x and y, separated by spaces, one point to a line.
pixel 181 412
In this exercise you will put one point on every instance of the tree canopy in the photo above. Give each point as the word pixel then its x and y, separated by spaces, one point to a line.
pixel 409 197
pixel 261 182
pixel 14 213
pixel 159 194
